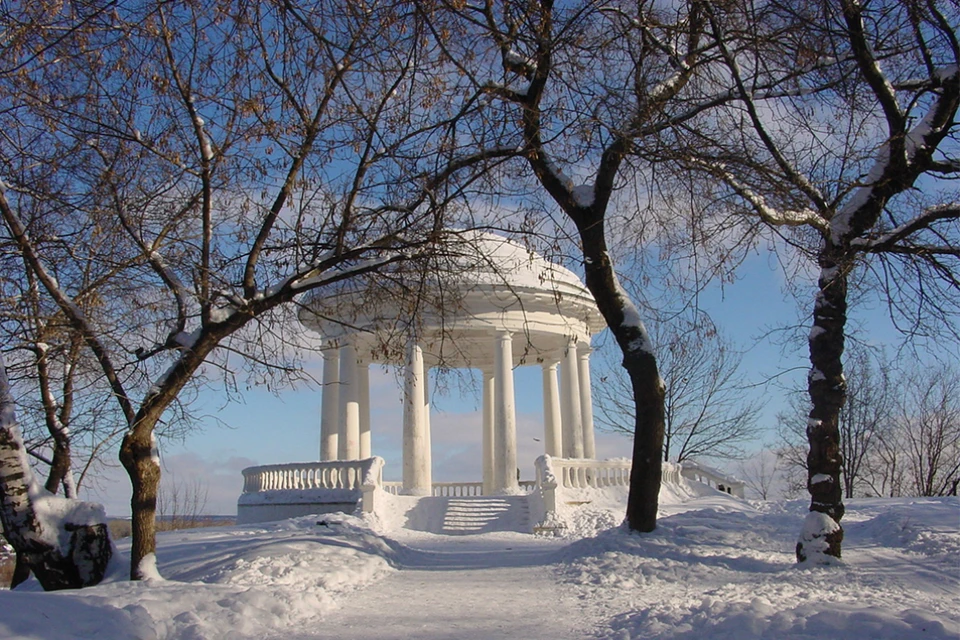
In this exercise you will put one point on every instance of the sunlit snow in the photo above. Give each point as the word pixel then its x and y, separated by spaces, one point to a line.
pixel 715 568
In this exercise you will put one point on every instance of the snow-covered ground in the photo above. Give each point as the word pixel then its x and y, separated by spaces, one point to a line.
pixel 715 568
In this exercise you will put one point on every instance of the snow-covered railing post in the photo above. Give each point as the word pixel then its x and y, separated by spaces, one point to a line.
pixel 547 483
pixel 371 479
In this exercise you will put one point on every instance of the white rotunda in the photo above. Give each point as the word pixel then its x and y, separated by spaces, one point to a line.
pixel 488 303
pixel 494 305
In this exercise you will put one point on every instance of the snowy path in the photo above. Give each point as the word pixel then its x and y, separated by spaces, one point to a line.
pixel 470 587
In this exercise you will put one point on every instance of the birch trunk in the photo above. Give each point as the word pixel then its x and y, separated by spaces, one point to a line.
pixel 65 543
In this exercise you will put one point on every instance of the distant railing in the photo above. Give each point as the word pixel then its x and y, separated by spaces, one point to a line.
pixel 555 474
pixel 362 476
pixel 579 473
pixel 334 474
pixel 457 489
pixel 393 488
pixel 712 478
pixel 454 489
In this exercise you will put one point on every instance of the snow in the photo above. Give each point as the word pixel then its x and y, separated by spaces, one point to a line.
pixel 715 568
pixel 583 195
pixel 55 512
pixel 631 318
pixel 148 568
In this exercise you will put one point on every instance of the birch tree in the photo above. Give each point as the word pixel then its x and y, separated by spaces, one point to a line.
pixel 213 162
pixel 850 162
pixel 64 542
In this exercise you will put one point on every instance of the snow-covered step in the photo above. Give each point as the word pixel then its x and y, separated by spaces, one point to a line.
pixel 470 514
pixel 482 514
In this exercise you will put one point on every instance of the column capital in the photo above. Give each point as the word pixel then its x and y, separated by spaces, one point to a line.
pixel 584 349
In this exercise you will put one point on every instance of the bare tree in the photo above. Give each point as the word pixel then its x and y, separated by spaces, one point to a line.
pixel 706 413
pixel 761 472
pixel 865 416
pixel 835 155
pixel 582 91
pixel 68 429
pixel 208 167
pixel 928 419
pixel 181 504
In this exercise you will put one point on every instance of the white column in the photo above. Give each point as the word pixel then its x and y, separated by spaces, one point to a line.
pixel 330 405
pixel 428 451
pixel 416 444
pixel 488 443
pixel 552 433
pixel 349 441
pixel 572 418
pixel 363 379
pixel 505 417
pixel 586 403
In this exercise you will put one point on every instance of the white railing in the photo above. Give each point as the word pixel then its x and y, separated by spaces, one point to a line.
pixel 576 473
pixel 392 487
pixel 528 485
pixel 712 478
pixel 334 474
pixel 457 489
pixel 557 474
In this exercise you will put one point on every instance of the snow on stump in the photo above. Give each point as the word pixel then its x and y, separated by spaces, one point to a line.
pixel 820 539
pixel 71 548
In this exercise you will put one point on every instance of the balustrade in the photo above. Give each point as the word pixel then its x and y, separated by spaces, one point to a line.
pixel 335 474
pixel 457 489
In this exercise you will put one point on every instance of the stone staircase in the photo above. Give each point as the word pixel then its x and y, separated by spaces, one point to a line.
pixel 472 514
pixel 482 514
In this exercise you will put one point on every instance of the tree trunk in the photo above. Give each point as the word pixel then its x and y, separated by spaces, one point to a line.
pixel 37 536
pixel 60 467
pixel 646 472
pixel 641 365
pixel 139 457
pixel 827 390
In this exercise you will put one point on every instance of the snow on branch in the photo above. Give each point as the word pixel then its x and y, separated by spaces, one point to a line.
pixel 889 240
pixel 770 215
pixel 899 160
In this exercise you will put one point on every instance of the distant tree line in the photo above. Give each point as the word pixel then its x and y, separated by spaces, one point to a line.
pixel 899 429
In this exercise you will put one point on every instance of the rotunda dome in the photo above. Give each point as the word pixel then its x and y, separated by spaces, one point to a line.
pixel 477 286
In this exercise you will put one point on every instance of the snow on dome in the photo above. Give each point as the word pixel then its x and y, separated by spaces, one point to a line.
pixel 496 260
pixel 475 287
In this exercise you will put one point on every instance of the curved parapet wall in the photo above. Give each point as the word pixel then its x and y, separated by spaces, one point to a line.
pixel 280 491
